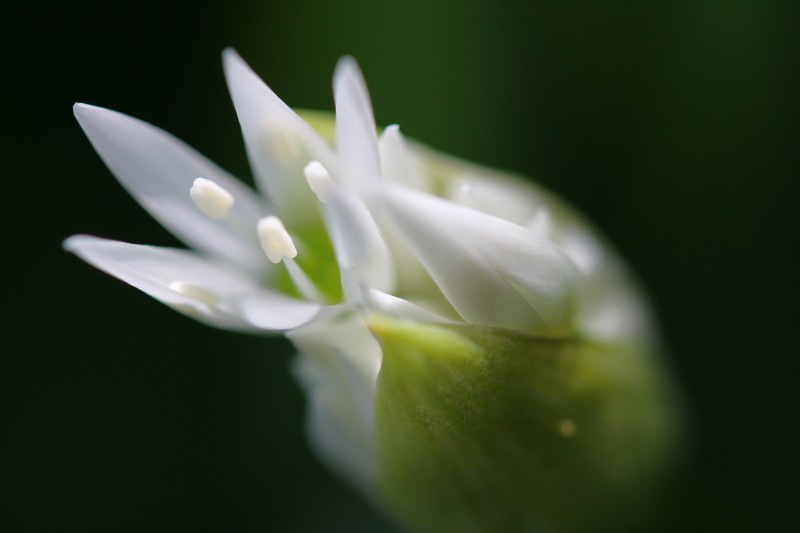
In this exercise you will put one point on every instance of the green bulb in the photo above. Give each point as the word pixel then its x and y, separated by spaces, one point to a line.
pixel 485 430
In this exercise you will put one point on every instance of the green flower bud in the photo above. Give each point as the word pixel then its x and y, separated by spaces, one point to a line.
pixel 485 429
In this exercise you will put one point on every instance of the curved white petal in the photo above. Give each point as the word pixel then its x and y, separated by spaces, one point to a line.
pixel 493 197
pixel 392 306
pixel 356 138
pixel 269 310
pixel 279 143
pixel 360 249
pixel 158 170
pixel 338 366
pixel 582 247
pixel 398 163
pixel 210 291
pixel 541 224
pixel 615 312
pixel 493 272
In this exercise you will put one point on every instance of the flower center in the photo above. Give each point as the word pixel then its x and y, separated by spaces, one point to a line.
pixel 315 259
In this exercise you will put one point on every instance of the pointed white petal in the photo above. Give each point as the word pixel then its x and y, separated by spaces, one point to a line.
pixel 268 310
pixel 615 313
pixel 493 272
pixel 159 171
pixel 541 224
pixel 398 163
pixel 338 366
pixel 360 249
pixel 279 143
pixel 493 197
pixel 356 138
pixel 210 291
pixel 395 307
pixel 583 248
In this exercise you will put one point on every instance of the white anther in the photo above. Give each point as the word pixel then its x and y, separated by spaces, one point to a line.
pixel 319 180
pixel 211 199
pixel 275 240
pixel 195 291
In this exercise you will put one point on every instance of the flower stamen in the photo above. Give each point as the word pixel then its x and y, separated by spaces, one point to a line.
pixel 302 282
pixel 211 199
pixel 275 240
pixel 318 180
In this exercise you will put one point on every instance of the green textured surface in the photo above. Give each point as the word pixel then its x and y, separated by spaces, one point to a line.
pixel 485 430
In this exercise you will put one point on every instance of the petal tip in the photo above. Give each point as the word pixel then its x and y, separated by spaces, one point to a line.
pixel 233 64
pixel 230 57
pixel 92 116
pixel 347 69
pixel 346 62
pixel 70 243
pixel 81 110
pixel 73 243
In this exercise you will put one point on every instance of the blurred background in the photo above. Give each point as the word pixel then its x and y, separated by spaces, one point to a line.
pixel 672 125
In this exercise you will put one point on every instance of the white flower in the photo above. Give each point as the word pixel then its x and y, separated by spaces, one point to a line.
pixel 369 227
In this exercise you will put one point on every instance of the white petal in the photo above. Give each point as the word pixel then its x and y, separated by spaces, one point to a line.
pixel 210 291
pixel 279 143
pixel 582 247
pixel 158 170
pixel 269 310
pixel 398 163
pixel 493 197
pixel 615 313
pixel 493 272
pixel 360 249
pixel 541 224
pixel 338 365
pixel 395 307
pixel 356 138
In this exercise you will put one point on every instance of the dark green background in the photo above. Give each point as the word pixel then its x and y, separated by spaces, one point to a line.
pixel 673 125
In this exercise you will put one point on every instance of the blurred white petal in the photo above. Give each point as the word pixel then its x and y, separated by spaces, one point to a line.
pixel 279 143
pixel 205 289
pixel 356 138
pixel 399 164
pixel 395 307
pixel 493 272
pixel 360 248
pixel 158 170
pixel 515 204
pixel 338 366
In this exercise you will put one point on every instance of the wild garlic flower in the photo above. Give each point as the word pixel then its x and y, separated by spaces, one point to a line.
pixel 475 357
